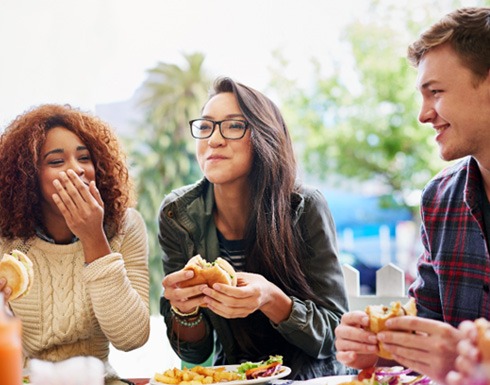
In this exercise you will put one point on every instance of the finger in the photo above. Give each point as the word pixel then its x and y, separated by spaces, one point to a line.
pixel 355 318
pixel 81 189
pixel 466 348
pixel 96 193
pixel 61 206
pixel 418 364
pixel 233 301
pixel 64 196
pixel 355 334
pixel 346 357
pixel 454 378
pixel 417 342
pixel 468 329
pixel 174 278
pixel 464 365
pixel 7 291
pixel 225 310
pixel 356 346
pixel 418 324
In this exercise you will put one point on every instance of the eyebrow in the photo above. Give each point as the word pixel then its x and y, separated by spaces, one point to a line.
pixel 229 116
pixel 60 151
pixel 427 84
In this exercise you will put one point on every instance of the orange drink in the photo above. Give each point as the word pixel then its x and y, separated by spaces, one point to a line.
pixel 10 347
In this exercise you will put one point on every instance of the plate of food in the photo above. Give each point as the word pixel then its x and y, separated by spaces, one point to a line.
pixel 395 375
pixel 247 373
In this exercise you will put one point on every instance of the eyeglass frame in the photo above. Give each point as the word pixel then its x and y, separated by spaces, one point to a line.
pixel 218 122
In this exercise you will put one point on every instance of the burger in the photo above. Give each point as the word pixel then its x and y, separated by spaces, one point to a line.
pixel 483 338
pixel 17 269
pixel 379 314
pixel 209 273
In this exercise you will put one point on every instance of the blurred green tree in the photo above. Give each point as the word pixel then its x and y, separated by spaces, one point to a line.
pixel 163 155
pixel 360 120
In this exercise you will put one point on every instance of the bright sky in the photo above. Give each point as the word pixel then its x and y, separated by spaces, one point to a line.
pixel 98 51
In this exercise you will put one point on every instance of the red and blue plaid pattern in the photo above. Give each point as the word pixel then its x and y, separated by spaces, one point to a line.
pixel 454 269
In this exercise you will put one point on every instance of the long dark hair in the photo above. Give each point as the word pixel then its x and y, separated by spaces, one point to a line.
pixel 274 245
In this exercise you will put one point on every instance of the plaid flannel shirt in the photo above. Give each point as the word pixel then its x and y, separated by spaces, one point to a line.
pixel 453 278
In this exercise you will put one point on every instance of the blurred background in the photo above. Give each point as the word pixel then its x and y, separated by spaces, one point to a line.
pixel 337 69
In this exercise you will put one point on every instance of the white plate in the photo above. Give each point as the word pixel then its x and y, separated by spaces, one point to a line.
pixel 283 372
pixel 331 380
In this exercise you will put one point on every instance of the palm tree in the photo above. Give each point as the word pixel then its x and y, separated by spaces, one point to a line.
pixel 163 156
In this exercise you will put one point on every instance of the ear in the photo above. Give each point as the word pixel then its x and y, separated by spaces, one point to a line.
pixel 486 84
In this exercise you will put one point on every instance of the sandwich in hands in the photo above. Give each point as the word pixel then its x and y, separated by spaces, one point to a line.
pixel 17 269
pixel 379 314
pixel 483 338
pixel 219 271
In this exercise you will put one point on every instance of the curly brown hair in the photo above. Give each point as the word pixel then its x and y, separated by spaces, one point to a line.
pixel 20 147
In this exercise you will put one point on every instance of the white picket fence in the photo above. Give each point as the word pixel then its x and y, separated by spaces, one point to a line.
pixel 390 286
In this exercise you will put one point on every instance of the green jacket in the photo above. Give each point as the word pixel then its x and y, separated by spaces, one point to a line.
pixel 306 338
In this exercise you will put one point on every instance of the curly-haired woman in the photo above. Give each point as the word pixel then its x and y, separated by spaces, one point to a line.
pixel 65 201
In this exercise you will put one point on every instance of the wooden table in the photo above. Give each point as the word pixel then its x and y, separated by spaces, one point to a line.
pixel 139 381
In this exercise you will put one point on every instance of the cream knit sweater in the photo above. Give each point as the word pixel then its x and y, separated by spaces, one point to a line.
pixel 74 310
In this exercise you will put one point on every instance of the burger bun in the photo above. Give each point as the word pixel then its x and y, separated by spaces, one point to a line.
pixel 17 269
pixel 209 273
pixel 379 314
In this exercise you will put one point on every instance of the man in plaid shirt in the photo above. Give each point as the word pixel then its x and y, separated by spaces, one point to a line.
pixel 453 62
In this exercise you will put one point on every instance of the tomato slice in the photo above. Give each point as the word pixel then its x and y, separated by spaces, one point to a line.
pixel 366 374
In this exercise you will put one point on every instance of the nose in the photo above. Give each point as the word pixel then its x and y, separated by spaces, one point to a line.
pixel 75 166
pixel 216 139
pixel 427 113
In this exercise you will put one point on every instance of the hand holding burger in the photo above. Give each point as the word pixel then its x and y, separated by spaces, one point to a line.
pixel 219 271
pixel 472 366
pixel 379 314
pixel 17 270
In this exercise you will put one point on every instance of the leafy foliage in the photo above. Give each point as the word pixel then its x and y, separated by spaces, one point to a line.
pixel 363 125
pixel 163 157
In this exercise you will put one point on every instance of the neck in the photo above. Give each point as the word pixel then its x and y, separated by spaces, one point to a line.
pixel 56 227
pixel 485 172
pixel 232 210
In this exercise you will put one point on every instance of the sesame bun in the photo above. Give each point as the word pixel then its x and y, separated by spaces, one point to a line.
pixel 17 269
pixel 379 314
pixel 209 273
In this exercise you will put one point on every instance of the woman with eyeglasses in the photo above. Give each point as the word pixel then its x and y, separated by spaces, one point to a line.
pixel 279 236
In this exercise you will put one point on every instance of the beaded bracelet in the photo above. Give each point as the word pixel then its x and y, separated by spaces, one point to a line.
pixel 184 315
pixel 189 324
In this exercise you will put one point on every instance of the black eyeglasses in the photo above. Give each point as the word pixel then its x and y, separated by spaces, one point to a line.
pixel 229 128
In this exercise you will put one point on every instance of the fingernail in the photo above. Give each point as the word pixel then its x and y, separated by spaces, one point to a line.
pixel 372 339
pixel 3 281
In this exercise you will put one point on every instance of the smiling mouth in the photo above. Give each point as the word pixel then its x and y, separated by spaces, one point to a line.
pixel 216 158
pixel 440 129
